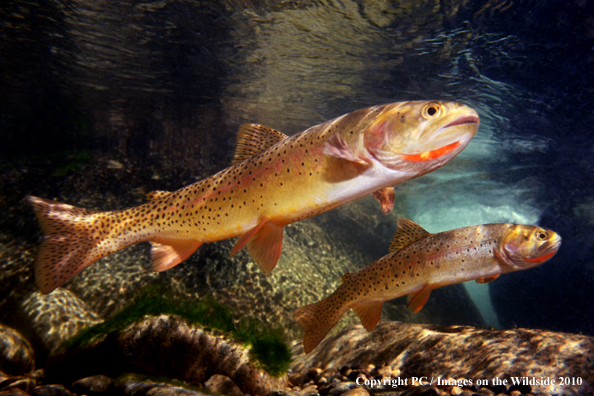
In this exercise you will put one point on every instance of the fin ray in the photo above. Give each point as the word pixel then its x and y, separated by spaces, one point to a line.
pixel 317 320
pixel 70 244
pixel 416 301
pixel 407 233
pixel 252 139
pixel 369 313
pixel 385 197
pixel 264 243
pixel 266 246
pixel 487 279
pixel 245 238
pixel 337 147
pixel 167 253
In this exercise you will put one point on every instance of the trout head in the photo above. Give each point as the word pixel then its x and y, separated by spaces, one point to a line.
pixel 524 246
pixel 419 137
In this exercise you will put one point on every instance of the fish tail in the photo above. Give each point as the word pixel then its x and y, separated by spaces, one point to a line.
pixel 316 319
pixel 72 241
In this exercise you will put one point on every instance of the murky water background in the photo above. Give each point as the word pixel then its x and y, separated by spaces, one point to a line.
pixel 168 82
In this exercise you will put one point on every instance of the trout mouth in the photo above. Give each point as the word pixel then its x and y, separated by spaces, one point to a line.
pixel 548 251
pixel 468 119
pixel 440 152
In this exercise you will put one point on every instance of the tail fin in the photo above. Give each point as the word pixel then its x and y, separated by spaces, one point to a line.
pixel 70 243
pixel 317 319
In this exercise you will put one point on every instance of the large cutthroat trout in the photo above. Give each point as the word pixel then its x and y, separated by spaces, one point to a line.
pixel 420 262
pixel 275 180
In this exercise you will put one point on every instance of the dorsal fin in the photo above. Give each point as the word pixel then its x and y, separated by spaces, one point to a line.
pixel 156 195
pixel 346 276
pixel 407 233
pixel 252 139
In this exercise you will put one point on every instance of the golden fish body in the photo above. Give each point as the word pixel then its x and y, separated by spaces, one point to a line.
pixel 275 180
pixel 420 262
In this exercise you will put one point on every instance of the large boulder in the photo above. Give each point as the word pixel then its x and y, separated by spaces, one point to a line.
pixel 57 317
pixel 162 346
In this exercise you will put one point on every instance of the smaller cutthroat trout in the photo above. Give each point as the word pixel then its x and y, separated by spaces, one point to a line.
pixel 420 262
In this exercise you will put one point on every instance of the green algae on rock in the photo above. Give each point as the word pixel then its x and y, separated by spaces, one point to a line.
pixel 164 346
pixel 267 349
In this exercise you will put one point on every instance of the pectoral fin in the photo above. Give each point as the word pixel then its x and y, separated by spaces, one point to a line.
pixel 264 242
pixel 417 300
pixel 487 279
pixel 337 147
pixel 369 313
pixel 385 196
pixel 167 253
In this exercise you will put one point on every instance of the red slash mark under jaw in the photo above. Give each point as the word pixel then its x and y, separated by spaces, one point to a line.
pixel 433 154
pixel 541 258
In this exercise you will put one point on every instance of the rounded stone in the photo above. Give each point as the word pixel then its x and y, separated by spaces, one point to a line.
pixel 57 316
pixel 92 385
pixel 50 390
pixel 222 384
pixel 456 391
pixel 16 354
pixel 356 392
pixel 25 384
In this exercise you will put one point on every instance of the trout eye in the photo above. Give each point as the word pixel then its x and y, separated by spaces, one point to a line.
pixel 431 111
pixel 541 235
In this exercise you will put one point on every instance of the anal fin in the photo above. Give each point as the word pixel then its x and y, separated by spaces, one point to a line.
pixel 167 253
pixel 369 313
pixel 264 243
pixel 385 196
pixel 265 247
pixel 417 300
pixel 487 279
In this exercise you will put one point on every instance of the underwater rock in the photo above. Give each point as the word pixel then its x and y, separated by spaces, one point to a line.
pixel 94 385
pixel 164 346
pixel 13 392
pixel 356 392
pixel 50 390
pixel 223 385
pixel 16 355
pixel 22 383
pixel 58 316
pixel 462 352
pixel 132 384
